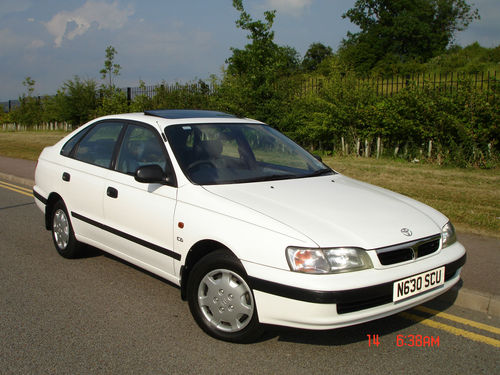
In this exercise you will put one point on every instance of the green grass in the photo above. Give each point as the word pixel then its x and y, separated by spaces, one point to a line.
pixel 27 144
pixel 469 197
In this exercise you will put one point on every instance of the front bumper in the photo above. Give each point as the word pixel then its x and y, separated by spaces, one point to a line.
pixel 314 308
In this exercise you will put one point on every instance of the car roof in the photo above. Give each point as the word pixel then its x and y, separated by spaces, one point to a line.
pixel 166 117
pixel 187 113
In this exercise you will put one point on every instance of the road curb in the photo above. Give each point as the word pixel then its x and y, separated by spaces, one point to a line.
pixel 473 300
pixel 17 180
pixel 470 299
pixel 479 301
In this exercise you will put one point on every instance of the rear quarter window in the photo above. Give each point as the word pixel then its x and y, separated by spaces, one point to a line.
pixel 70 145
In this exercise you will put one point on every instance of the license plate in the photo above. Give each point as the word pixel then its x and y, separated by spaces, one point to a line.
pixel 417 284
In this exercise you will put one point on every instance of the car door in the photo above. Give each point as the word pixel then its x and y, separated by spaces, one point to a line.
pixel 84 174
pixel 141 214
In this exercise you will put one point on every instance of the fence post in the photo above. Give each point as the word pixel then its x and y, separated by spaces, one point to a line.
pixel 396 150
pixel 129 96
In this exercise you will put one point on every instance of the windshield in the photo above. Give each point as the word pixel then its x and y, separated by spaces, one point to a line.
pixel 234 153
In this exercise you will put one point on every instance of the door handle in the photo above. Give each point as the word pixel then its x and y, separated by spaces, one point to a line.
pixel 66 176
pixel 112 192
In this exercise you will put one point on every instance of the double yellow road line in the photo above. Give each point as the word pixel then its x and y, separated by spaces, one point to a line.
pixel 17 189
pixel 451 329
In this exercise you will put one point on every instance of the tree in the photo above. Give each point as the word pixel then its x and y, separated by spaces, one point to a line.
pixel 113 100
pixel 254 73
pixel 29 111
pixel 110 69
pixel 316 53
pixel 75 102
pixel 262 60
pixel 29 83
pixel 403 30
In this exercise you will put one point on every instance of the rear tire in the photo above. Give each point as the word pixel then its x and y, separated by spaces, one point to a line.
pixel 220 299
pixel 62 233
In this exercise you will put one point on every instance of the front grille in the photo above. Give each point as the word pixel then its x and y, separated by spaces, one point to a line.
pixel 408 250
pixel 395 256
pixel 428 247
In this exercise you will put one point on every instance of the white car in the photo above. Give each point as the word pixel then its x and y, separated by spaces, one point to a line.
pixel 253 228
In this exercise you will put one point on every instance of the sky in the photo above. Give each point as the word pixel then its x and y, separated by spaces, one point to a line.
pixel 52 41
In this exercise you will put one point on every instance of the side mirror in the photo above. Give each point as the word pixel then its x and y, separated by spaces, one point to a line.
pixel 317 157
pixel 150 174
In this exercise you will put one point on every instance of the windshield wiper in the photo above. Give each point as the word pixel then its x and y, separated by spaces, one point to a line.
pixel 282 176
pixel 272 177
pixel 321 172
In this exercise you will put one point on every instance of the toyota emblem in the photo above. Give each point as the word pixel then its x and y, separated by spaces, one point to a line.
pixel 406 232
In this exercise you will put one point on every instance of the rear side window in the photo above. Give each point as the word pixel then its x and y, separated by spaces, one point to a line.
pixel 97 146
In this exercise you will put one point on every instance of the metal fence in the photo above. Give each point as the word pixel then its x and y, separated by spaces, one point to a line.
pixel 450 82
pixel 199 87
pixel 9 105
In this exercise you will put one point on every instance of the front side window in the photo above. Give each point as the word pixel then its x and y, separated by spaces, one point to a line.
pixel 98 144
pixel 140 147
pixel 235 153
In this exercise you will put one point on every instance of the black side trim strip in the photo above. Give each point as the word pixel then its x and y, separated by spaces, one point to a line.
pixel 40 197
pixel 127 236
pixel 381 292
pixel 319 296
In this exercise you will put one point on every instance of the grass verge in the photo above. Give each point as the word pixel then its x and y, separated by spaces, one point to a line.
pixel 469 197
pixel 27 144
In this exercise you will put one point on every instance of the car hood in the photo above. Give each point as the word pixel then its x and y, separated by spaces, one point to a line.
pixel 337 211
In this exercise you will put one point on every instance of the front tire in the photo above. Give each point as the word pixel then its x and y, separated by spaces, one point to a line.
pixel 62 233
pixel 220 299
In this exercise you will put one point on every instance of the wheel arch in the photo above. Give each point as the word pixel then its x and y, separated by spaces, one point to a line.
pixel 51 201
pixel 198 251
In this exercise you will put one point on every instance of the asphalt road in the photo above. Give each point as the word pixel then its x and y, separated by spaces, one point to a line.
pixel 98 315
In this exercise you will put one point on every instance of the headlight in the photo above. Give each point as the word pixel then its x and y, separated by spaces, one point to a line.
pixel 448 235
pixel 323 261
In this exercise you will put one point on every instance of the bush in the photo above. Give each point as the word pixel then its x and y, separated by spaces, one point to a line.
pixel 457 127
pixel 112 101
